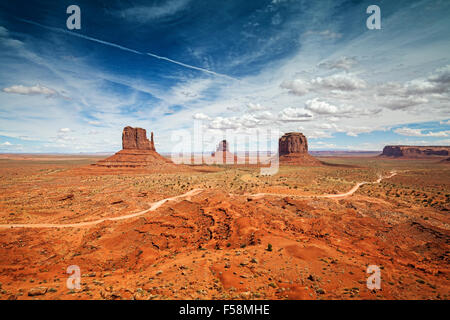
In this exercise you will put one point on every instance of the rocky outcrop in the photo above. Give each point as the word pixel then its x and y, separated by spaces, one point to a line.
pixel 137 152
pixel 293 150
pixel 415 151
pixel 292 142
pixel 136 138
pixel 223 155
pixel 223 146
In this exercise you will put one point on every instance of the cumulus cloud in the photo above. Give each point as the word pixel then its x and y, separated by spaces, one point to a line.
pixel 320 107
pixel 33 90
pixel 294 115
pixel 395 103
pixel 248 121
pixel 265 115
pixel 255 107
pixel 318 134
pixel 345 82
pixel 338 83
pixel 64 130
pixel 405 131
pixel 344 63
pixel 437 84
pixel 355 131
pixel 298 87
pixel 442 75
pixel 6 143
pixel 223 123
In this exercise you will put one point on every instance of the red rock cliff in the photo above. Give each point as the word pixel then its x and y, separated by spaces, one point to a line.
pixel 136 138
pixel 292 142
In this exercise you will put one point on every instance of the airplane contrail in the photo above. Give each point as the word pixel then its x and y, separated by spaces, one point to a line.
pixel 111 44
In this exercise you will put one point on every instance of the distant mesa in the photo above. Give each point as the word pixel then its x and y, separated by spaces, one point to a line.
pixel 293 150
pixel 137 152
pixel 222 155
pixel 414 152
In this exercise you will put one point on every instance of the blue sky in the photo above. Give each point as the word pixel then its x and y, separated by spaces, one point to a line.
pixel 234 68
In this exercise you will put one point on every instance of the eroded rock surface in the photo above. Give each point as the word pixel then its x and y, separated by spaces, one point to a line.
pixel 136 138
pixel 292 142
pixel 293 150
pixel 415 151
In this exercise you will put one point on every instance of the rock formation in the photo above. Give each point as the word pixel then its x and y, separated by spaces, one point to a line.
pixel 137 152
pixel 136 138
pixel 292 142
pixel 416 151
pixel 293 150
pixel 222 155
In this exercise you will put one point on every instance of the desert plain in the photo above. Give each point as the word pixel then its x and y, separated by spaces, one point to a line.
pixel 224 231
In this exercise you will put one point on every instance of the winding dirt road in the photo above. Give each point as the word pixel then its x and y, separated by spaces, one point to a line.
pixel 154 206
pixel 193 192
pixel 339 195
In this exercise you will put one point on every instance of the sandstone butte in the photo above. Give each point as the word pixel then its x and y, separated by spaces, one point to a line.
pixel 137 152
pixel 293 150
pixel 414 152
pixel 222 155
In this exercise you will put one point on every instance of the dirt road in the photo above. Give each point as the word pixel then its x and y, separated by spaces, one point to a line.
pixel 193 192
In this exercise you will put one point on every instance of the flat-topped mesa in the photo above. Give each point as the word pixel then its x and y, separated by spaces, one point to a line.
pixel 293 150
pixel 415 151
pixel 292 142
pixel 136 139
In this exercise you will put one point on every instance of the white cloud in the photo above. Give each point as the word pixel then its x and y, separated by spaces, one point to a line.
pixel 298 87
pixel 6 143
pixel 64 130
pixel 395 103
pixel 200 116
pixel 320 107
pixel 338 84
pixel 265 115
pixel 248 121
pixel 345 82
pixel 405 131
pixel 317 134
pixel 37 89
pixel 437 83
pixel 255 107
pixel 344 63
pixel 223 123
pixel 294 115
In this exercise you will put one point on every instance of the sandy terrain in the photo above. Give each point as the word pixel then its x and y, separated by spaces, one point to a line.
pixel 225 232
